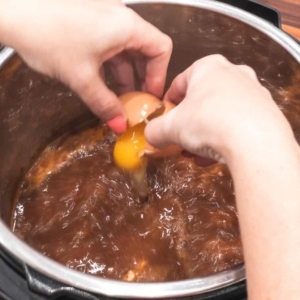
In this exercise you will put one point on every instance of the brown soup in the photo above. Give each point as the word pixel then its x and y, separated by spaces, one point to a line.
pixel 76 207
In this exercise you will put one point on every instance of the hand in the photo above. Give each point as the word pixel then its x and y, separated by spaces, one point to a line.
pixel 224 113
pixel 222 108
pixel 70 40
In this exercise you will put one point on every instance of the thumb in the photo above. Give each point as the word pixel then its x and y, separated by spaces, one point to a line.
pixel 101 100
pixel 161 132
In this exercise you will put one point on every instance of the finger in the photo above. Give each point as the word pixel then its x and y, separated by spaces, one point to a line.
pixel 122 72
pixel 116 1
pixel 157 48
pixel 194 75
pixel 102 101
pixel 118 124
pixel 140 64
pixel 160 133
pixel 177 91
pixel 248 71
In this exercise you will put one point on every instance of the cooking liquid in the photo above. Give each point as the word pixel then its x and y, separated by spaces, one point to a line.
pixel 76 207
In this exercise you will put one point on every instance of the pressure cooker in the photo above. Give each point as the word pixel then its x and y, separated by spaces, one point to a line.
pixel 245 32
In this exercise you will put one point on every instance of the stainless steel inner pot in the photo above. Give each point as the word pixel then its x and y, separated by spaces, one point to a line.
pixel 29 119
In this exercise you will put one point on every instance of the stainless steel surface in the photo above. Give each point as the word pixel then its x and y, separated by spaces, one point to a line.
pixel 5 54
pixel 180 19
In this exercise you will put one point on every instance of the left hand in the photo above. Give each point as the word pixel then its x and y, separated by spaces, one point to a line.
pixel 71 39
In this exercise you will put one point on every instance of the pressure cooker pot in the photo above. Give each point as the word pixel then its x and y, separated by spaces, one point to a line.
pixel 36 110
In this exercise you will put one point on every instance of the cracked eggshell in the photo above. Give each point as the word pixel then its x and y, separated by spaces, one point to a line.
pixel 138 105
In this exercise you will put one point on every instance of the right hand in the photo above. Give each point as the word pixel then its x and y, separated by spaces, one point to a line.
pixel 224 113
pixel 222 110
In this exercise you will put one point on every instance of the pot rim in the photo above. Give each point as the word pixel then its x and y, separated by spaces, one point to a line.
pixel 114 288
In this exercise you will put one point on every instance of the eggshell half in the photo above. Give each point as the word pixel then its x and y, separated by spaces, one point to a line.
pixel 138 106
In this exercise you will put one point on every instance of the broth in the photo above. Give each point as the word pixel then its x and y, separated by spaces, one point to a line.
pixel 76 207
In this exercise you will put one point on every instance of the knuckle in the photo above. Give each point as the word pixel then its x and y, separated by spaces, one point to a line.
pixel 87 83
pixel 211 62
pixel 249 71
pixel 132 21
pixel 266 92
pixel 164 46
pixel 82 84
pixel 137 26
pixel 101 104
pixel 172 128
pixel 218 60
pixel 167 45
pixel 127 17
pixel 80 78
pixel 108 109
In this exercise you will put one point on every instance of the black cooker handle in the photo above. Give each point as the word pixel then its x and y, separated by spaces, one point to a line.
pixel 260 10
pixel 52 289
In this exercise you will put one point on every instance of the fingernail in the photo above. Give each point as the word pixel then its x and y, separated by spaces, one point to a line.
pixel 117 124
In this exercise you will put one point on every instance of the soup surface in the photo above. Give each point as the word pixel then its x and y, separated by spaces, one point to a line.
pixel 76 207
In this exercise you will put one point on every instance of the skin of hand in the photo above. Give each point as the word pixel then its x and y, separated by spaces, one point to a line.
pixel 224 113
pixel 70 40
pixel 214 101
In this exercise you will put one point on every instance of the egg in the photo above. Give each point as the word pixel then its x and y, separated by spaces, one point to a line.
pixel 131 148
pixel 138 106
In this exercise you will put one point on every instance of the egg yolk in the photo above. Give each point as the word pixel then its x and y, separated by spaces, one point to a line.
pixel 129 148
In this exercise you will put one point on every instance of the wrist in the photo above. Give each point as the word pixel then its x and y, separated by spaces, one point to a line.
pixel 251 140
pixel 266 182
pixel 271 150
